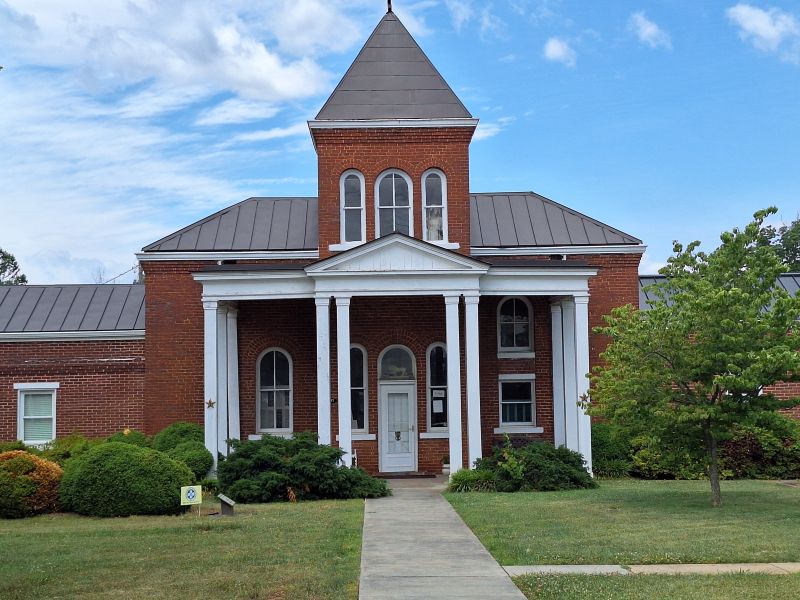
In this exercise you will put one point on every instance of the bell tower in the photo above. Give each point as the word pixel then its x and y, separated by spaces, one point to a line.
pixel 392 145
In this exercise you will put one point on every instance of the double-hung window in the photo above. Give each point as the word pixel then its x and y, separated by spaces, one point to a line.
pixel 434 206
pixel 394 200
pixel 275 392
pixel 514 331
pixel 36 412
pixel 353 215
pixel 358 388
pixel 437 387
pixel 517 400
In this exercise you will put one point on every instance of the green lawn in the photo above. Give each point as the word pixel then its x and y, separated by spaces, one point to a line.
pixel 661 587
pixel 644 522
pixel 307 550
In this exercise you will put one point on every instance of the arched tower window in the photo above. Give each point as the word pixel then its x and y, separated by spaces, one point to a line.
pixel 394 204
pixel 434 206
pixel 353 216
pixel 274 391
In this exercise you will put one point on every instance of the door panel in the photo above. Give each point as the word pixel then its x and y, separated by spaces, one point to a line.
pixel 398 432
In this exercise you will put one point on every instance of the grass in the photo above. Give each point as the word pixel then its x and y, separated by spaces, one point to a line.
pixel 660 587
pixel 307 550
pixel 638 522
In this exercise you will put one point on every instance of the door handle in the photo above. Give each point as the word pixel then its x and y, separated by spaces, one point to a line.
pixel 412 428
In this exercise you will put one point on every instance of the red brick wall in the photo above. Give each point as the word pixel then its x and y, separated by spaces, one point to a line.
pixel 412 150
pixel 101 384
pixel 787 391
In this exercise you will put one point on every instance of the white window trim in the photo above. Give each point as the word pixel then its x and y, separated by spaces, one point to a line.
pixel 517 427
pixel 22 388
pixel 445 240
pixel 342 209
pixel 405 176
pixel 364 429
pixel 513 352
pixel 432 433
pixel 283 430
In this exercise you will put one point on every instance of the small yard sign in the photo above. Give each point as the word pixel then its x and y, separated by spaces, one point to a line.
pixel 191 494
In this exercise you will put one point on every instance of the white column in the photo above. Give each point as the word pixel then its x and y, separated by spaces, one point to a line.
pixel 234 431
pixel 582 370
pixel 473 379
pixel 453 382
pixel 343 377
pixel 557 336
pixel 222 379
pixel 570 375
pixel 324 370
pixel 210 376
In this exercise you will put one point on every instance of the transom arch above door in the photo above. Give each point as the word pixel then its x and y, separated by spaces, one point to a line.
pixel 397 363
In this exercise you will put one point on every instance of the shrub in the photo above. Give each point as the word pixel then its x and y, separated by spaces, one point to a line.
pixel 611 451
pixel 119 479
pixel 195 456
pixel 130 436
pixel 16 445
pixel 28 484
pixel 538 466
pixel 177 434
pixel 276 469
pixel 61 450
pixel 768 448
pixel 653 460
pixel 476 480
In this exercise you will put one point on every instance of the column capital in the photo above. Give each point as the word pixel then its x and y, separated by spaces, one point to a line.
pixel 342 300
pixel 233 311
pixel 210 304
pixel 472 299
pixel 322 300
pixel 555 307
pixel 581 299
pixel 452 298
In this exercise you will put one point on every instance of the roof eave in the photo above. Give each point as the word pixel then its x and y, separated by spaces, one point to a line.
pixel 391 123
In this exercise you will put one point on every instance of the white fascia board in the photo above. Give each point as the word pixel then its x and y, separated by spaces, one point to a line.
pixel 392 123
pixel 543 271
pixel 548 250
pixel 254 285
pixel 399 284
pixel 60 336
pixel 536 282
pixel 229 255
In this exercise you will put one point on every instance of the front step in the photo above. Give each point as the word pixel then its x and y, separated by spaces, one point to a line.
pixel 407 475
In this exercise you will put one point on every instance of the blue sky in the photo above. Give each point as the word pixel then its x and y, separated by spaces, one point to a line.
pixel 124 120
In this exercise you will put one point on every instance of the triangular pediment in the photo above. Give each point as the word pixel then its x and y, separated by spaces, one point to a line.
pixel 397 253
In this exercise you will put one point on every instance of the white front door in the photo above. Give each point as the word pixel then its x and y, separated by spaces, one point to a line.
pixel 397 412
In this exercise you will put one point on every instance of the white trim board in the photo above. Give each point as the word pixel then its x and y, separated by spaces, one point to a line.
pixel 58 336
pixel 229 255
pixel 391 123
pixel 548 250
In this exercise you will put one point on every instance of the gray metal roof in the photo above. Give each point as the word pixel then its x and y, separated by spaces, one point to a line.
pixel 392 78
pixel 788 281
pixel 58 308
pixel 528 219
pixel 254 224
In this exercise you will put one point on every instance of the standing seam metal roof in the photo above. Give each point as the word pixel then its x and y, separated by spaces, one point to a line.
pixel 58 308
pixel 392 78
pixel 788 281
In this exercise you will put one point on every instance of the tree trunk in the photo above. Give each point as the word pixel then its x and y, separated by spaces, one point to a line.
pixel 713 466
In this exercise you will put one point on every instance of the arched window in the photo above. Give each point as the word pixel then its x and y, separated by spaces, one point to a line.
pixel 353 216
pixel 275 391
pixel 396 363
pixel 358 387
pixel 437 387
pixel 434 206
pixel 394 204
pixel 514 325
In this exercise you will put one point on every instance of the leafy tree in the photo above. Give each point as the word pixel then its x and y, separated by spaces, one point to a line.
pixel 696 364
pixel 9 270
pixel 787 245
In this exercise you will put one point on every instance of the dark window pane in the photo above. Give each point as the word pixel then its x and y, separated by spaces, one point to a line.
pixel 521 339
pixel 352 191
pixel 281 370
pixel 507 311
pixel 352 225
pixel 438 407
pixel 400 191
pixel 357 408
pixel 434 224
pixel 520 311
pixel 385 195
pixel 397 363
pixel 517 391
pixel 386 222
pixel 356 368
pixel 517 413
pixel 438 366
pixel 268 370
pixel 433 190
pixel 401 220
pixel 506 335
pixel 267 410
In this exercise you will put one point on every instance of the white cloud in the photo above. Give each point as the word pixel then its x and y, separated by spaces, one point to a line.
pixel 649 265
pixel 487 129
pixel 235 110
pixel 461 12
pixel 771 31
pixel 304 27
pixel 491 24
pixel 272 134
pixel 558 50
pixel 647 31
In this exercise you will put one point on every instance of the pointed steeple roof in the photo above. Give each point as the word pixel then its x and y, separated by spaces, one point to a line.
pixel 391 78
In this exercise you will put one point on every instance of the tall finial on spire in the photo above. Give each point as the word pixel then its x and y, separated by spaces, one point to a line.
pixel 390 6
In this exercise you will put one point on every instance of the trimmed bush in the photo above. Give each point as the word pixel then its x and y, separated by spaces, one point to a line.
pixel 276 469
pixel 119 479
pixel 611 451
pixel 176 434
pixel 768 448
pixel 195 456
pixel 61 450
pixel 130 436
pixel 538 466
pixel 16 445
pixel 28 484
pixel 476 480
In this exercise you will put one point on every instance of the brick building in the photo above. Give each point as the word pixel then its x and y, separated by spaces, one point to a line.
pixel 398 315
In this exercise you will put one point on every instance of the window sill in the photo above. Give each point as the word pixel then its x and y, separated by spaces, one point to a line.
pixel 258 436
pixel 434 435
pixel 361 437
pixel 512 355
pixel 446 245
pixel 512 429
pixel 344 246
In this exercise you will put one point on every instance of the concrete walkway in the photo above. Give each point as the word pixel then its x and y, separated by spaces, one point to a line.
pixel 678 569
pixel 415 546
